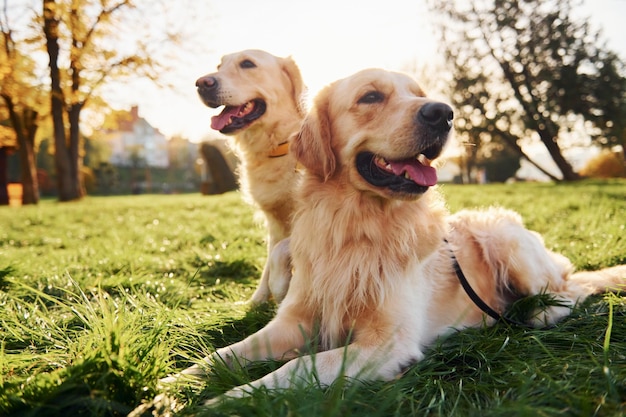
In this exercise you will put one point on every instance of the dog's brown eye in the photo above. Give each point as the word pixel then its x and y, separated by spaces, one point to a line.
pixel 371 97
pixel 246 63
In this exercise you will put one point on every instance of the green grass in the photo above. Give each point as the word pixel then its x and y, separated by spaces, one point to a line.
pixel 101 298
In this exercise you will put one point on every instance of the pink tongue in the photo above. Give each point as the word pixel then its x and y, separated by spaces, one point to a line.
pixel 223 119
pixel 420 174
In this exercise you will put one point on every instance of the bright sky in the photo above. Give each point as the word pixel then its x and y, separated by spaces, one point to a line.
pixel 328 39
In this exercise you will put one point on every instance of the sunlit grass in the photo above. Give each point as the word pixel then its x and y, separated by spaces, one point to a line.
pixel 101 298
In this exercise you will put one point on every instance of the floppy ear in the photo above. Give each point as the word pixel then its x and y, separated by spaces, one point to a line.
pixel 291 70
pixel 312 145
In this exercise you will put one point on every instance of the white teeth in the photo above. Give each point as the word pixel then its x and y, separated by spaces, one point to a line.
pixel 406 175
pixel 245 109
pixel 423 160
pixel 383 164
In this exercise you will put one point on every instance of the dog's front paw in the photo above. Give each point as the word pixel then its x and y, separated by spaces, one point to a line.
pixel 161 405
pixel 193 371
pixel 169 380
pixel 238 392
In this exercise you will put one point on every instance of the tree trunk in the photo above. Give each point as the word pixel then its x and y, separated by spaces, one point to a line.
pixel 555 152
pixel 66 188
pixel 512 143
pixel 25 127
pixel 535 119
pixel 30 183
pixel 470 166
pixel 623 145
pixel 4 178
pixel 76 161
pixel 222 178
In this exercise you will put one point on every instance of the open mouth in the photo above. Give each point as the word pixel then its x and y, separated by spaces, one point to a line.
pixel 234 118
pixel 407 176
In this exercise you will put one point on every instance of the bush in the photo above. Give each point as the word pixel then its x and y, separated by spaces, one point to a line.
pixel 89 179
pixel 606 164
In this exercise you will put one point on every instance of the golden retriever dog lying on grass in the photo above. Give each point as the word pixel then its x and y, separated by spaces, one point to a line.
pixel 375 251
pixel 262 96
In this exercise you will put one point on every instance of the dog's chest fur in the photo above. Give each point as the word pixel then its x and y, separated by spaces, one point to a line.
pixel 353 255
pixel 268 183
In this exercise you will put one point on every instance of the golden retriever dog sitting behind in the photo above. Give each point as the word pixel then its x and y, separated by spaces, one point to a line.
pixel 262 96
pixel 374 249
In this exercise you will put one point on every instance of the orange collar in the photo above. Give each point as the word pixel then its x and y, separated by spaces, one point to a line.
pixel 281 150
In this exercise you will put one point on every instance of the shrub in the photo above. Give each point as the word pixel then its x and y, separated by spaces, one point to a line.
pixel 606 164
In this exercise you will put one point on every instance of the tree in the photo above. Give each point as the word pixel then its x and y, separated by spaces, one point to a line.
pixel 220 178
pixel 606 164
pixel 499 162
pixel 25 126
pixel 97 50
pixel 528 69
pixel 7 145
pixel 21 96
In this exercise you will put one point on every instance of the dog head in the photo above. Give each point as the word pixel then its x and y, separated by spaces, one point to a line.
pixel 377 130
pixel 251 85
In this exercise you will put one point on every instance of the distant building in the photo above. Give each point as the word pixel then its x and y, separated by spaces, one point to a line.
pixel 136 143
pixel 182 152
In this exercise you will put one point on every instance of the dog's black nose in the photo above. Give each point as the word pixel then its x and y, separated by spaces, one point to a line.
pixel 206 83
pixel 436 115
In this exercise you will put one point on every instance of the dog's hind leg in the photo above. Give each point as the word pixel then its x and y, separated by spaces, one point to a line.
pixel 611 279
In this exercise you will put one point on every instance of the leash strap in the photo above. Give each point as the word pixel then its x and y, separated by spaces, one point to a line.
pixel 475 297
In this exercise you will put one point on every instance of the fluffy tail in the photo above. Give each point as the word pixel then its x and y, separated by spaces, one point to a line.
pixel 604 280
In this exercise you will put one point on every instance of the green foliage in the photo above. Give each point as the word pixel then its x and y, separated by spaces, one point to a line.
pixel 100 299
pixel 500 163
pixel 530 70
pixel 606 164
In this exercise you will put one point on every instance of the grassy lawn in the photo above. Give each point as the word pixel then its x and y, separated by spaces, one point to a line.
pixel 101 298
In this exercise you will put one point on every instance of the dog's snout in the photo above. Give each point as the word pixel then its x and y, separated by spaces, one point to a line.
pixel 436 115
pixel 208 90
pixel 206 82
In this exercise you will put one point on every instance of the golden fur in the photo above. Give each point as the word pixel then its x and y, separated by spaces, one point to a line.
pixel 267 179
pixel 373 277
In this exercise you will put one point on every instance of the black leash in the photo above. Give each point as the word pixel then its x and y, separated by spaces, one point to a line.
pixel 474 297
